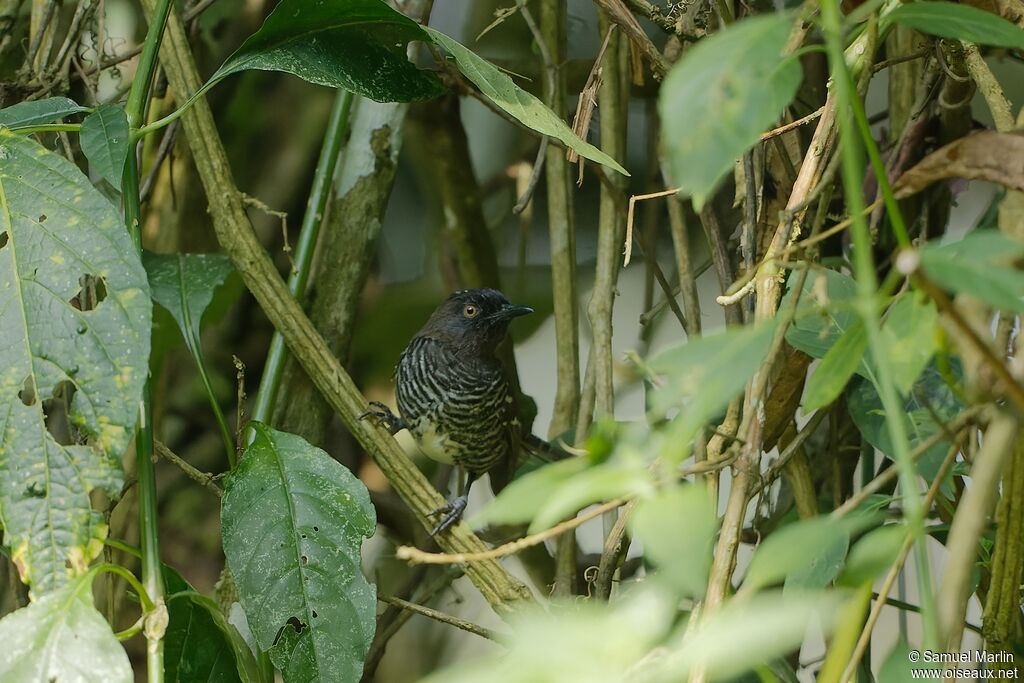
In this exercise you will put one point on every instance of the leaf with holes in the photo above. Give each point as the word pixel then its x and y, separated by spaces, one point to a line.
pixel 61 637
pixel 293 520
pixel 518 103
pixel 358 45
pixel 74 347
pixel 105 141
pixel 25 114
pixel 720 97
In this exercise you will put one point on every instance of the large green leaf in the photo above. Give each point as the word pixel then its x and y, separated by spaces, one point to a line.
pixel 702 376
pixel 200 644
pixel 292 521
pixel 982 264
pixel 620 477
pixel 518 103
pixel 959 22
pixel 677 528
pixel 519 501
pixel 74 342
pixel 105 140
pixel 33 113
pixel 358 45
pixel 719 98
pixel 61 638
pixel 873 554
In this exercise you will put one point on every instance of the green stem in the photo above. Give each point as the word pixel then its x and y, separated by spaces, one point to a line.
pixel 308 233
pixel 139 93
pixel 867 305
pixel 152 576
pixel 49 128
pixel 225 432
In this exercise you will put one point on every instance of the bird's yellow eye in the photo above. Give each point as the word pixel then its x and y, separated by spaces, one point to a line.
pixel 470 311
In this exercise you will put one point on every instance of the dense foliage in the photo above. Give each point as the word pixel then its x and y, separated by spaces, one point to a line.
pixel 845 408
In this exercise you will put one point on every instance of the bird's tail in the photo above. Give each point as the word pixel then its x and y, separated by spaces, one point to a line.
pixel 544 449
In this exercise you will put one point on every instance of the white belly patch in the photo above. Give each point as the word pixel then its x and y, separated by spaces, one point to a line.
pixel 439 447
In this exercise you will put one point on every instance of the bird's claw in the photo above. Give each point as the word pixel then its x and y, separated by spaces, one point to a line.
pixel 452 512
pixel 382 415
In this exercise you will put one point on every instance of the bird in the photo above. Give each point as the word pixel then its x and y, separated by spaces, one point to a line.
pixel 453 394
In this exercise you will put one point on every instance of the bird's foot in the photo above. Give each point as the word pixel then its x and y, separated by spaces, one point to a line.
pixel 452 512
pixel 382 415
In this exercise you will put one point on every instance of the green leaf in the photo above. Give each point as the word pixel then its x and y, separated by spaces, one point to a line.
pixel 873 555
pixel 822 568
pixel 61 637
pixel 74 343
pixel 184 284
pixel 603 482
pixel 747 633
pixel 959 22
pixel 719 98
pixel 909 339
pixel 38 112
pixel 200 644
pixel 982 264
pixel 792 549
pixel 581 640
pixel 105 140
pixel 837 367
pixel 824 312
pixel 359 45
pixel 515 101
pixel 292 521
pixel 702 376
pixel 930 391
pixel 677 527
pixel 520 500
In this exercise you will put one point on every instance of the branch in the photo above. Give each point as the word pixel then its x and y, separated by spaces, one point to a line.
pixel 204 478
pixel 440 616
pixel 235 234
pixel 619 14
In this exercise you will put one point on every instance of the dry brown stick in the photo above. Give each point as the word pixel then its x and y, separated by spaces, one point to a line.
pixel 235 234
pixel 417 556
pixel 785 128
pixel 620 15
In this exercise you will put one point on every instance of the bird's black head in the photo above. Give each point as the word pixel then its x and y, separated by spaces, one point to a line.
pixel 473 319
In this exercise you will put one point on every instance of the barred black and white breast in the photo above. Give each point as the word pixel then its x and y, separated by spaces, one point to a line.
pixel 457 404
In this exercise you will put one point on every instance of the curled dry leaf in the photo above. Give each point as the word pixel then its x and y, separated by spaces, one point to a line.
pixel 995 157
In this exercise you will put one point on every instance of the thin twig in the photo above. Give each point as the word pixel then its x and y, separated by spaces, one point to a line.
pixel 785 128
pixel 204 478
pixel 441 617
pixel 627 247
pixel 417 556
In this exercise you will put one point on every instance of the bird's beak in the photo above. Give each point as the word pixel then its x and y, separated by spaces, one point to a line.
pixel 511 311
